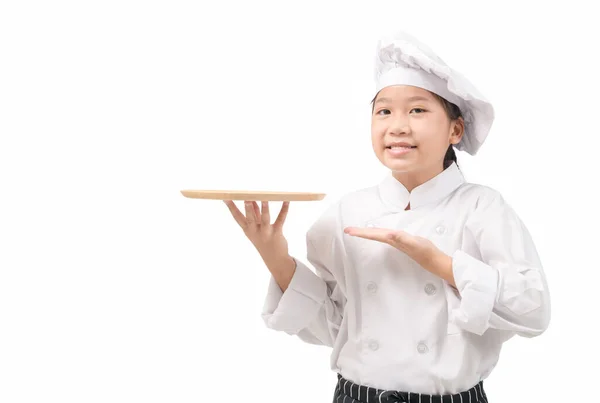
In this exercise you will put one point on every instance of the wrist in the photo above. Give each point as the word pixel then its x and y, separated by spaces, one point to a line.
pixel 440 264
pixel 282 270
pixel 280 263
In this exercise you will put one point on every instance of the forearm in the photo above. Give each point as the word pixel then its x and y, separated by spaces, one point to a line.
pixel 440 264
pixel 282 268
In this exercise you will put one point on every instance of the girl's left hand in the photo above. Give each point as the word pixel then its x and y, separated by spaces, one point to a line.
pixel 420 249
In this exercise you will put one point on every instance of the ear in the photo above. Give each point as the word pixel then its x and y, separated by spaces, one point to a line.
pixel 457 130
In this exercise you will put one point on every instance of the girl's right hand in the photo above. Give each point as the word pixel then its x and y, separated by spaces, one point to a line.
pixel 267 238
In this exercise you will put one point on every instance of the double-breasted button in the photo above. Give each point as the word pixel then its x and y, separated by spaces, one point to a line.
pixel 430 289
pixel 372 287
pixel 422 348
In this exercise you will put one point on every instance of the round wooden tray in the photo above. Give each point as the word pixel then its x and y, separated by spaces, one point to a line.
pixel 252 195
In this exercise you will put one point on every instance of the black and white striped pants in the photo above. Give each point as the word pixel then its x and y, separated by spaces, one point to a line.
pixel 348 392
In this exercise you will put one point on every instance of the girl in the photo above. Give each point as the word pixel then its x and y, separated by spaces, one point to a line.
pixel 420 278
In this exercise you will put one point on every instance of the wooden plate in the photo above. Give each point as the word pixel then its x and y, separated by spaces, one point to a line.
pixel 252 195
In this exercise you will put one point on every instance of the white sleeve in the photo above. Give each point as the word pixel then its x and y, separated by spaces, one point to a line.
pixel 312 305
pixel 499 275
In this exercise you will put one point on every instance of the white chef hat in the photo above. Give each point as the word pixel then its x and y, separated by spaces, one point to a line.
pixel 403 60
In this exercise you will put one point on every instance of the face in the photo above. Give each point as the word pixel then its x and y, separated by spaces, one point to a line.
pixel 411 131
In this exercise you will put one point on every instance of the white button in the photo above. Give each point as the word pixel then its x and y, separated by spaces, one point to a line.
pixel 430 289
pixel 441 229
pixel 372 287
pixel 422 348
pixel 373 345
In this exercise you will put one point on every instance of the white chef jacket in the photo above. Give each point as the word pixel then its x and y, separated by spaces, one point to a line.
pixel 392 324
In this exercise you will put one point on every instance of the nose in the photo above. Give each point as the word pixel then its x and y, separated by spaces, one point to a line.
pixel 399 125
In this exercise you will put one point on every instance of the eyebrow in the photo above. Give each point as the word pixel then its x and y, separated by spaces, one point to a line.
pixel 411 99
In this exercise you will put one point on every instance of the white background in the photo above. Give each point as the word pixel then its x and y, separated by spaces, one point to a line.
pixel 116 288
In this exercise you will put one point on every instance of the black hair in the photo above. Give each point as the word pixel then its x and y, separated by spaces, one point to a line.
pixel 453 112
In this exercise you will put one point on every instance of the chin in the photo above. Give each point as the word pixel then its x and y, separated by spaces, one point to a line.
pixel 401 168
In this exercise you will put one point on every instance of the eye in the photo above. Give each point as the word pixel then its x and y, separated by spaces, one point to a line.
pixel 418 110
pixel 387 111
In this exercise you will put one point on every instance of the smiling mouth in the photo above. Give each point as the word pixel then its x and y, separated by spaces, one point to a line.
pixel 400 147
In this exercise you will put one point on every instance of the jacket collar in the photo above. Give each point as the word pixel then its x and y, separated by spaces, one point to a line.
pixel 395 195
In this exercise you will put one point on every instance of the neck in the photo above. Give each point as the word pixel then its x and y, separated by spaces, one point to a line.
pixel 413 179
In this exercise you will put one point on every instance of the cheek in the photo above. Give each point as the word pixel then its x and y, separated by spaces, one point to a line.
pixel 377 132
pixel 379 125
pixel 376 141
pixel 432 134
pixel 374 126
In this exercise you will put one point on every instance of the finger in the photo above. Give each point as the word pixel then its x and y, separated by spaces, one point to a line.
pixel 256 211
pixel 266 215
pixel 375 234
pixel 236 213
pixel 250 217
pixel 285 207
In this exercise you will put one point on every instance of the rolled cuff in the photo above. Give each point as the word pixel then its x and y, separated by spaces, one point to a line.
pixel 477 284
pixel 294 309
